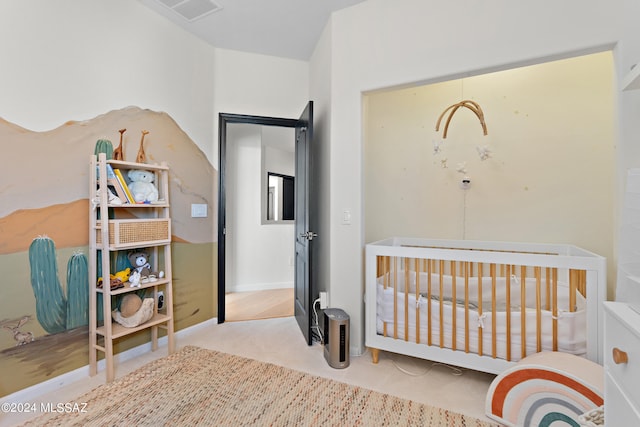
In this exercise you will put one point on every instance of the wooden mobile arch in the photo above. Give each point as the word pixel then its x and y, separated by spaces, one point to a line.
pixel 471 105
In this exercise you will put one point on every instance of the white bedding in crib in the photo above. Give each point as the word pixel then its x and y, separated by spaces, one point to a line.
pixel 571 325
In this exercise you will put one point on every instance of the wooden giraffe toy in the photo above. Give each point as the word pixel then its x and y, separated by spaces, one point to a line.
pixel 142 157
pixel 118 153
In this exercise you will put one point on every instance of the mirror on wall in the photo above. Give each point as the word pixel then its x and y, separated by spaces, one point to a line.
pixel 277 175
pixel 280 197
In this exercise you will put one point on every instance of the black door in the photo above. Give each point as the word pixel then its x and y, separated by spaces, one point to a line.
pixel 303 234
pixel 303 216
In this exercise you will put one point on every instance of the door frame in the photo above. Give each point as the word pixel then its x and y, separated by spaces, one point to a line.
pixel 223 120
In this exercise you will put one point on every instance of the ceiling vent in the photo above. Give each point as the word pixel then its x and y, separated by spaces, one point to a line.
pixel 191 10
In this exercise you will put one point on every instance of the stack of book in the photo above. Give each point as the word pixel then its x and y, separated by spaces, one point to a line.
pixel 116 181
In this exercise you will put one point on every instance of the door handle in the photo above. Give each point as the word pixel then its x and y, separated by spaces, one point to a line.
pixel 309 235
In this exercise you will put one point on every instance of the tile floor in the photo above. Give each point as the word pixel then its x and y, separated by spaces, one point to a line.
pixel 280 341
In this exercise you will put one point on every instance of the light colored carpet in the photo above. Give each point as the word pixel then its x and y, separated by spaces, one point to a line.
pixel 196 386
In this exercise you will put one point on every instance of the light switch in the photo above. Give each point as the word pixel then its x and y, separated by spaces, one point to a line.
pixel 346 217
pixel 198 210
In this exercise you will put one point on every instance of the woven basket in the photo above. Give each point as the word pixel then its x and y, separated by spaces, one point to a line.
pixel 136 231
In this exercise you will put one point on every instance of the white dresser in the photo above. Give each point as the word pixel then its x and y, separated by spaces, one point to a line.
pixel 622 365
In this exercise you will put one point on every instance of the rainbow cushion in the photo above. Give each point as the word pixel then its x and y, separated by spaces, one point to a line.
pixel 546 389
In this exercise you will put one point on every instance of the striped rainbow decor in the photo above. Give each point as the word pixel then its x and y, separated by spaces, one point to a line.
pixel 548 389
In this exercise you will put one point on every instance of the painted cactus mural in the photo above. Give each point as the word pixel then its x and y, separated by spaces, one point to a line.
pixel 51 306
pixel 55 312
pixel 77 291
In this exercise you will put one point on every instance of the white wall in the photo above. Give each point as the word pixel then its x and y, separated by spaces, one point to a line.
pixel 320 89
pixel 628 52
pixel 258 85
pixel 379 44
pixel 75 60
pixel 259 256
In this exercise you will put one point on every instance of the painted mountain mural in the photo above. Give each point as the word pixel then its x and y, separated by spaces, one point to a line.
pixel 44 236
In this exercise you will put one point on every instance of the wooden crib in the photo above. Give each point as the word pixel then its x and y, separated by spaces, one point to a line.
pixel 482 305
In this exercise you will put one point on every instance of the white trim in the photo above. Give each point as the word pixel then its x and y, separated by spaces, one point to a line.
pixel 30 393
pixel 260 287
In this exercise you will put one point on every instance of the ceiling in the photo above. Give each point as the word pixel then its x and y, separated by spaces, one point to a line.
pixel 283 28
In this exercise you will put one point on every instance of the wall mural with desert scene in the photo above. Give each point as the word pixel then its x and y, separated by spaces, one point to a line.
pixel 44 236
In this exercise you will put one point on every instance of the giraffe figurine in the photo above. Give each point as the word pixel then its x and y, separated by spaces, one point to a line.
pixel 118 153
pixel 142 158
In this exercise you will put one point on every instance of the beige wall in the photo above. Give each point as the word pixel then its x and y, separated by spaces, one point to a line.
pixel 550 177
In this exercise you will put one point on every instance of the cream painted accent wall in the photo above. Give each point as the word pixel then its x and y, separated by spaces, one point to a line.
pixel 380 44
pixel 550 177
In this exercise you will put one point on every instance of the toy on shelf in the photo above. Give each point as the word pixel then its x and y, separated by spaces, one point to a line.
pixel 134 279
pixel 142 157
pixel 118 152
pixel 134 311
pixel 104 146
pixel 142 187
pixel 140 262
pixel 116 280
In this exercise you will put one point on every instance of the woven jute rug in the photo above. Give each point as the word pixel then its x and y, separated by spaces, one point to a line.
pixel 207 388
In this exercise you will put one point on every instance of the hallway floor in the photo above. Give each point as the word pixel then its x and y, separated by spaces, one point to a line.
pixel 254 305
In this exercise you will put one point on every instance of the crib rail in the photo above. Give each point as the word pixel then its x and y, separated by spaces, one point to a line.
pixel 535 286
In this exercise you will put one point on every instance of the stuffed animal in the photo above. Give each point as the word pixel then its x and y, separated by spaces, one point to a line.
pixel 116 280
pixel 134 279
pixel 142 186
pixel 123 275
pixel 140 262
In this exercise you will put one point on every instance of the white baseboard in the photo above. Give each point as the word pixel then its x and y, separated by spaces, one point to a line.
pixel 32 393
pixel 259 287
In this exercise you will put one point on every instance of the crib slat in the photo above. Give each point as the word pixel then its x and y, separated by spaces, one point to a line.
pixel 494 350
pixel 406 299
pixel 480 352
pixel 417 262
pixel 441 303
pixel 582 285
pixel 508 303
pixel 466 306
pixel 430 266
pixel 523 313
pixel 554 319
pixel 386 262
pixel 573 282
pixel 454 310
pixel 577 283
pixel 395 297
pixel 548 294
pixel 538 308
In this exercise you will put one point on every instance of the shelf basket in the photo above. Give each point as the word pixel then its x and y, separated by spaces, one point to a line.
pixel 136 232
